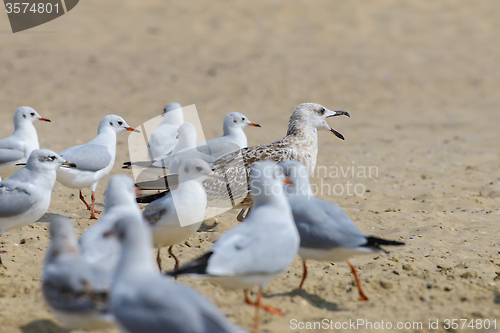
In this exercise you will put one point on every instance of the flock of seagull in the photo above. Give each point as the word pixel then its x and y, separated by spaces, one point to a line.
pixel 107 276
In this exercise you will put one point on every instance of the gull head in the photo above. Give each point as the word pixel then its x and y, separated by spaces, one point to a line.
pixel 297 178
pixel 171 107
pixel 62 236
pixel 25 114
pixel 237 120
pixel 266 181
pixel 187 132
pixel 44 159
pixel 121 190
pixel 116 124
pixel 315 116
pixel 196 169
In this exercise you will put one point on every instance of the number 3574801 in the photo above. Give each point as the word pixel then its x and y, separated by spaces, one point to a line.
pixel 36 8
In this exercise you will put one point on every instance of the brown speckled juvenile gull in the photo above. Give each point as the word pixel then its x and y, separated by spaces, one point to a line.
pixel 299 144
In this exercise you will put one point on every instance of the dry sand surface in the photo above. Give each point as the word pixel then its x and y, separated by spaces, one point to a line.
pixel 421 80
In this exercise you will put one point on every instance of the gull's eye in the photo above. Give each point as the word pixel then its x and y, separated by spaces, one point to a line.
pixel 322 111
pixel 242 119
pixel 198 168
pixel 52 158
pixel 120 123
pixel 32 114
pixel 111 123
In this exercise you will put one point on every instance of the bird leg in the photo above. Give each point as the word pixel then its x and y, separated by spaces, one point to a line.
pixel 304 275
pixel 158 258
pixel 240 216
pixel 176 267
pixel 258 305
pixel 83 199
pixel 362 296
pixel 93 211
pixel 1 263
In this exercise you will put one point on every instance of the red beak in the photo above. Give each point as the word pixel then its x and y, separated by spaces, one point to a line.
pixel 253 124
pixel 287 181
pixel 44 119
pixel 132 129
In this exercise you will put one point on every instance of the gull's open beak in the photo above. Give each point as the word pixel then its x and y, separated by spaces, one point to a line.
pixel 334 114
pixel 287 181
pixel 44 119
pixel 253 124
pixel 108 233
pixel 69 164
pixel 132 129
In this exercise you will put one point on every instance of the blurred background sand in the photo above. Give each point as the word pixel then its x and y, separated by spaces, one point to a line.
pixel 420 79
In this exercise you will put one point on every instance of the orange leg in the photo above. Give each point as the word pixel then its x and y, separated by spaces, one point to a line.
pixel 362 296
pixel 83 199
pixel 303 275
pixel 258 305
pixel 93 211
pixel 176 267
pixel 158 258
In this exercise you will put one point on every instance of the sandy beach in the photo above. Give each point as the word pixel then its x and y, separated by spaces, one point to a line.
pixel 420 80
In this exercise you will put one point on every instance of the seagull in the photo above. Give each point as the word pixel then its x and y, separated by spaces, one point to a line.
pixel 299 144
pixel 94 160
pixel 25 196
pixel 234 137
pixel 75 290
pixel 326 231
pixel 163 139
pixel 184 150
pixel 177 216
pixel 142 300
pixel 18 147
pixel 119 200
pixel 254 252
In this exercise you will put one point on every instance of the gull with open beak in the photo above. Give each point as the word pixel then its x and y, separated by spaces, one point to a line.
pixel 177 216
pixel 299 144
pixel 17 148
pixel 94 160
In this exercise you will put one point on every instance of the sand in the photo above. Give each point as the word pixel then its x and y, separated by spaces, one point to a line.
pixel 419 78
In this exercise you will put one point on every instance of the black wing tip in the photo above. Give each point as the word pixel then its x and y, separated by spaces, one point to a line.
pixel 197 266
pixel 377 242
pixel 126 165
pixel 152 197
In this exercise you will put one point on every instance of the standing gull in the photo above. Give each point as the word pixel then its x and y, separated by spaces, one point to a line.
pixel 18 147
pixel 144 301
pixel 76 291
pixel 326 231
pixel 299 144
pixel 177 216
pixel 233 137
pixel 255 252
pixel 25 196
pixel 119 201
pixel 94 160
pixel 163 139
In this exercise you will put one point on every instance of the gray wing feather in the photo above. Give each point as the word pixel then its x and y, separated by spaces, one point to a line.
pixel 14 201
pixel 254 249
pixel 169 308
pixel 10 155
pixel 88 157
pixel 323 225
